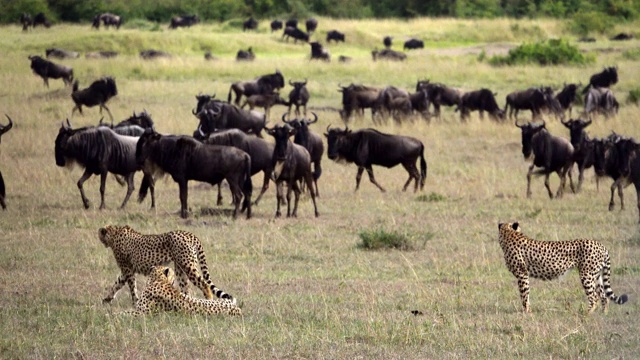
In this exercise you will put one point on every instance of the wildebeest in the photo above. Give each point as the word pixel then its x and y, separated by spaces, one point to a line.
pixel 26 21
pixel 413 44
pixel 292 163
pixel 390 99
pixel 311 25
pixel 245 55
pixel 387 41
pixel 264 101
pixel 260 151
pixel 600 100
pixel 47 69
pixel 99 151
pixel 264 84
pixel 607 163
pixel 135 125
pixel 291 23
pixel 369 147
pixel 220 115
pixel 481 100
pixel 629 166
pixel 276 25
pixel 551 153
pixel 98 93
pixel 153 54
pixel 605 78
pixel 439 94
pixel 420 103
pixel 295 33
pixel 583 147
pixel 101 54
pixel 183 21
pixel 61 53
pixel 534 99
pixel 319 52
pixel 41 19
pixel 356 98
pixel 249 24
pixel 209 56
pixel 3 194
pixel 622 36
pixel 185 158
pixel 299 96
pixel 335 35
pixel 310 141
pixel 567 96
pixel 388 54
pixel 107 19
pixel 344 59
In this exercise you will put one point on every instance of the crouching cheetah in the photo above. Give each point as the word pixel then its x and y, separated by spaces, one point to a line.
pixel 548 260
pixel 137 253
pixel 160 295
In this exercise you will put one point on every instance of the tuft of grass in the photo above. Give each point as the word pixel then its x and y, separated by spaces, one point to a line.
pixel 550 52
pixel 634 96
pixel 383 239
pixel 431 197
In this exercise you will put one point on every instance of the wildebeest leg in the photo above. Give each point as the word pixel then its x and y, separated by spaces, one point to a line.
pixel 296 191
pixel 83 178
pixel 184 193
pixel 103 185
pixel 108 111
pixel 562 174
pixel 616 185
pixel 2 193
pixel 413 174
pixel 219 201
pixel 359 177
pixel 529 173
pixel 46 81
pixel 373 179
pixel 638 199
pixel 279 198
pixel 308 180
pixel 546 184
pixel 317 171
pixel 265 187
pixel 290 186
pixel 130 188
pixel 580 176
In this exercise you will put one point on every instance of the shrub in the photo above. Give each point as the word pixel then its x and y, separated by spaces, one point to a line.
pixel 382 239
pixel 550 52
pixel 584 22
pixel 634 96
pixel 431 197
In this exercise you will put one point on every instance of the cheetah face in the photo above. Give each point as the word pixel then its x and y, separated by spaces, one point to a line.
pixel 509 226
pixel 164 273
pixel 104 235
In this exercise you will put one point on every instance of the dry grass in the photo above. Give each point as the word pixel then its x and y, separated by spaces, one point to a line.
pixel 307 289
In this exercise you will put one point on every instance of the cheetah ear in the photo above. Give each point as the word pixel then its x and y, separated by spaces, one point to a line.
pixel 166 272
pixel 103 231
pixel 515 226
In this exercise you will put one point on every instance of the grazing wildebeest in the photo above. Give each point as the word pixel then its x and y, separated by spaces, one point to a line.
pixel 245 55
pixel 153 54
pixel 265 84
pixel 605 78
pixel 439 94
pixel 369 147
pixel 183 21
pixel 551 153
pixel 295 33
pixel 481 100
pixel 47 69
pixel 413 44
pixel 276 25
pixel 220 115
pixel 41 19
pixel 99 151
pixel 534 99
pixel 311 25
pixel 387 41
pixel 107 19
pixel 61 54
pixel 185 158
pixel 600 100
pixel 583 147
pixel 310 141
pixel 335 35
pixel 98 93
pixel 3 194
pixel 292 163
pixel 26 21
pixel 388 54
pixel 319 52
pixel 101 54
pixel 264 101
pixel 356 98
pixel 299 96
pixel 249 24
pixel 291 23
pixel 567 97
pixel 260 151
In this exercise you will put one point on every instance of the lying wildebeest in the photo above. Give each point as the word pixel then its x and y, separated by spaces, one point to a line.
pixel 249 24
pixel 387 41
pixel 481 100
pixel 60 54
pixel 47 69
pixel 583 147
pixel 220 116
pixel 319 52
pixel 3 194
pixel 369 147
pixel 260 151
pixel 439 94
pixel 600 100
pixel 265 84
pixel 107 19
pixel 356 98
pixel 388 54
pixel 291 23
pixel 41 19
pixel 299 96
pixel 98 93
pixel 335 35
pixel 98 150
pixel 264 101
pixel 101 54
pixel 551 153
pixel 311 25
pixel 209 56
pixel 153 54
pixel 310 141
pixel 622 36
pixel 534 99
pixel 26 21
pixel 567 97
pixel 344 59
pixel 413 44
pixel 245 55
pixel 292 163
pixel 185 158
pixel 295 33
pixel 183 21
pixel 276 25
pixel 605 78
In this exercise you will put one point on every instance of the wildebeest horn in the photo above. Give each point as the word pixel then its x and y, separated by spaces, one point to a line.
pixel 305 82
pixel 10 125
pixel 68 123
pixel 328 126
pixel 516 124
pixel 284 116
pixel 290 83
pixel 100 122
pixel 315 120
pixel 565 123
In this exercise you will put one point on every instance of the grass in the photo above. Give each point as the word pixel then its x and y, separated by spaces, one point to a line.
pixel 307 289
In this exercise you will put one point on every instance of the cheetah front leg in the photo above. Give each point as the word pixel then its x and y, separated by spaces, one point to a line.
pixel 125 277
pixel 523 285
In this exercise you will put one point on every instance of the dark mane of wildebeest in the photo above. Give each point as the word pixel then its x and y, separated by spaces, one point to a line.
pixel 299 96
pixel 600 100
pixel 98 93
pixel 185 158
pixel 47 69
pixel 245 55
pixel 534 99
pixel 292 163
pixel 335 35
pixel 250 24
pixel 183 21
pixel 387 41
pixel 101 54
pixel 439 94
pixel 153 54
pixel 41 19
pixel 295 33
pixel 264 84
pixel 310 141
pixel 108 19
pixel 388 54
pixel 551 153
pixel 260 151
pixel 264 101
pixel 99 151
pixel 60 54
pixel 311 25
pixel 413 44
pixel 25 21
pixel 369 147
pixel 567 97
pixel 583 147
pixel 3 194
pixel 607 77
pixel 357 97
pixel 276 25
pixel 221 116
pixel 481 100
pixel 319 52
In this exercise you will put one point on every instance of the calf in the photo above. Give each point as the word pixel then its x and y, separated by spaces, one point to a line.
pixel 98 93
pixel 264 101
pixel 310 141
pixel 49 70
pixel 567 97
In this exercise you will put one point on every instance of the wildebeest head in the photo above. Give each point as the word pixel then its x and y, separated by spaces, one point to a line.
pixel 281 134
pixel 61 142
pixel 5 128
pixel 576 131
pixel 208 118
pixel 202 100
pixel 302 128
pixel 335 140
pixel 528 131
pixel 145 145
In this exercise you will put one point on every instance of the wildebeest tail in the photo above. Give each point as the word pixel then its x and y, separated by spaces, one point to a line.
pixel 144 188
pixel 423 169
pixel 586 89
pixel 606 283
pixel 2 189
pixel 247 188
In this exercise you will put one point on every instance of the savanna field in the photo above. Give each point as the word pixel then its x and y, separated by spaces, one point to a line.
pixel 307 287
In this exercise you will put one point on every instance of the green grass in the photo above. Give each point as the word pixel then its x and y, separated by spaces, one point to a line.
pixel 308 290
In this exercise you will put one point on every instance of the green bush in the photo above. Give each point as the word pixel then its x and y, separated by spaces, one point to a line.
pixel 382 239
pixel 585 22
pixel 634 96
pixel 550 52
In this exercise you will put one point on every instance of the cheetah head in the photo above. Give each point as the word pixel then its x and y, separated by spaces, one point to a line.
pixel 109 233
pixel 502 227
pixel 163 273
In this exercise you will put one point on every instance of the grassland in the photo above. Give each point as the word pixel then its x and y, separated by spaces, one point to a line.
pixel 307 287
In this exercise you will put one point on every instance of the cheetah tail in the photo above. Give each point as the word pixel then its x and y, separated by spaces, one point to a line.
pixel 205 274
pixel 606 283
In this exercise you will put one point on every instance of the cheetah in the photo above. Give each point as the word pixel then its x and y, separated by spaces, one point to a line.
pixel 138 253
pixel 160 295
pixel 548 260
